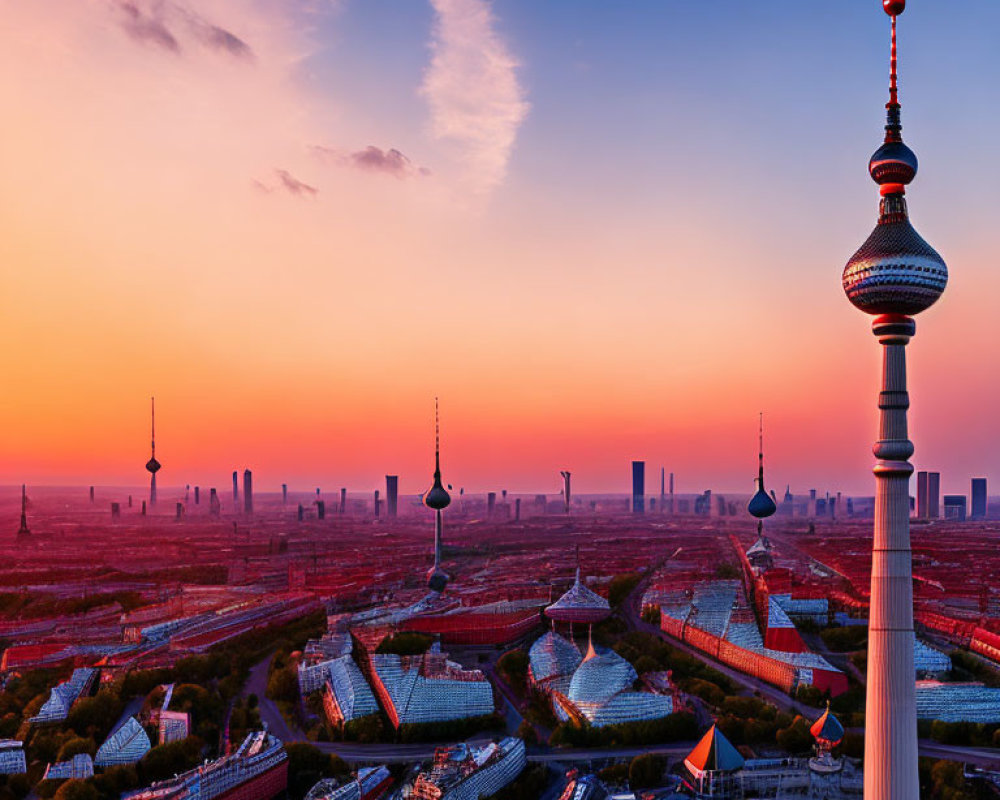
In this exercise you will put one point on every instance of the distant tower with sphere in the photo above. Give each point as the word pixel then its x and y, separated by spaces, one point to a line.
pixel 438 499
pixel 152 466
pixel 894 275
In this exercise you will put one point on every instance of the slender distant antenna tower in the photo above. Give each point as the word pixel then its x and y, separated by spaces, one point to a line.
pixel 761 505
pixel 437 498
pixel 23 531
pixel 152 466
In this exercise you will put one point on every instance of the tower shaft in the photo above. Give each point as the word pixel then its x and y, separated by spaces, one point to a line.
pixel 890 709
pixel 152 489
pixel 438 531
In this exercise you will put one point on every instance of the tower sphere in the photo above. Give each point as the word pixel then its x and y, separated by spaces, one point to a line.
pixel 893 162
pixel 153 465
pixel 437 496
pixel 761 505
pixel 895 271
pixel 894 7
pixel 437 579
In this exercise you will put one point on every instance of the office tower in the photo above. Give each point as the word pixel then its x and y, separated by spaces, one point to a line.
pixel 978 498
pixel 247 492
pixel 933 495
pixel 91 494
pixel 391 495
pixel 894 275
pixel 214 506
pixel 491 503
pixel 955 507
pixel 284 494
pixel 566 476
pixel 23 532
pixel 517 510
pixel 378 504
pixel 638 487
pixel 921 495
pixel 236 491
pixel 116 511
pixel 438 499
pixel 320 509
pixel 672 506
pixel 152 466
pixel 663 489
pixel 179 511
pixel 343 500
pixel 197 495
pixel 811 506
pixel 301 512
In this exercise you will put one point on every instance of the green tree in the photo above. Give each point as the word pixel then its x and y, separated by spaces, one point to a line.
pixel 77 790
pixel 407 643
pixel 169 759
pixel 307 765
pixel 513 665
pixel 621 586
pixel 283 685
pixel 646 771
pixel 75 746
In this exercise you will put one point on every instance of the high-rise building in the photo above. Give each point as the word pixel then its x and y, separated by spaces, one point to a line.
pixel 391 495
pixel 438 499
pixel 955 507
pixel 23 532
pixel 197 495
pixel 978 510
pixel 566 474
pixel 491 503
pixel 284 494
pixel 893 275
pixel 152 466
pixel 638 487
pixel 247 492
pixel 921 495
pixel 214 506
pixel 236 491
pixel 933 495
pixel 343 501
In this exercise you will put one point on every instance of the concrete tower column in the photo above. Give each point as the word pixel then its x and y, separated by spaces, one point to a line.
pixel 890 708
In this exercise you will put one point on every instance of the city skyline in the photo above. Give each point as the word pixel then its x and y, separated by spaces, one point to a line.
pixel 567 243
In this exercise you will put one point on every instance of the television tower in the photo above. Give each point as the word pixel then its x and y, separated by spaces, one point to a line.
pixel 761 506
pixel 894 275
pixel 153 466
pixel 437 498
pixel 23 532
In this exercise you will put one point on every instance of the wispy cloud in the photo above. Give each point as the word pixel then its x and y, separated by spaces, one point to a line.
pixel 146 27
pixel 294 186
pixel 288 183
pixel 164 24
pixel 371 159
pixel 472 88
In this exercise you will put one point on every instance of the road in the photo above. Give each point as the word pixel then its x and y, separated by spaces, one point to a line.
pixel 269 713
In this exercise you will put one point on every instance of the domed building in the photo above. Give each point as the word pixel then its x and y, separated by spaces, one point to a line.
pixel 579 604
pixel 595 688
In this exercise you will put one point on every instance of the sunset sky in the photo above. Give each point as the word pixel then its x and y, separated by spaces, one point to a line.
pixel 598 231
